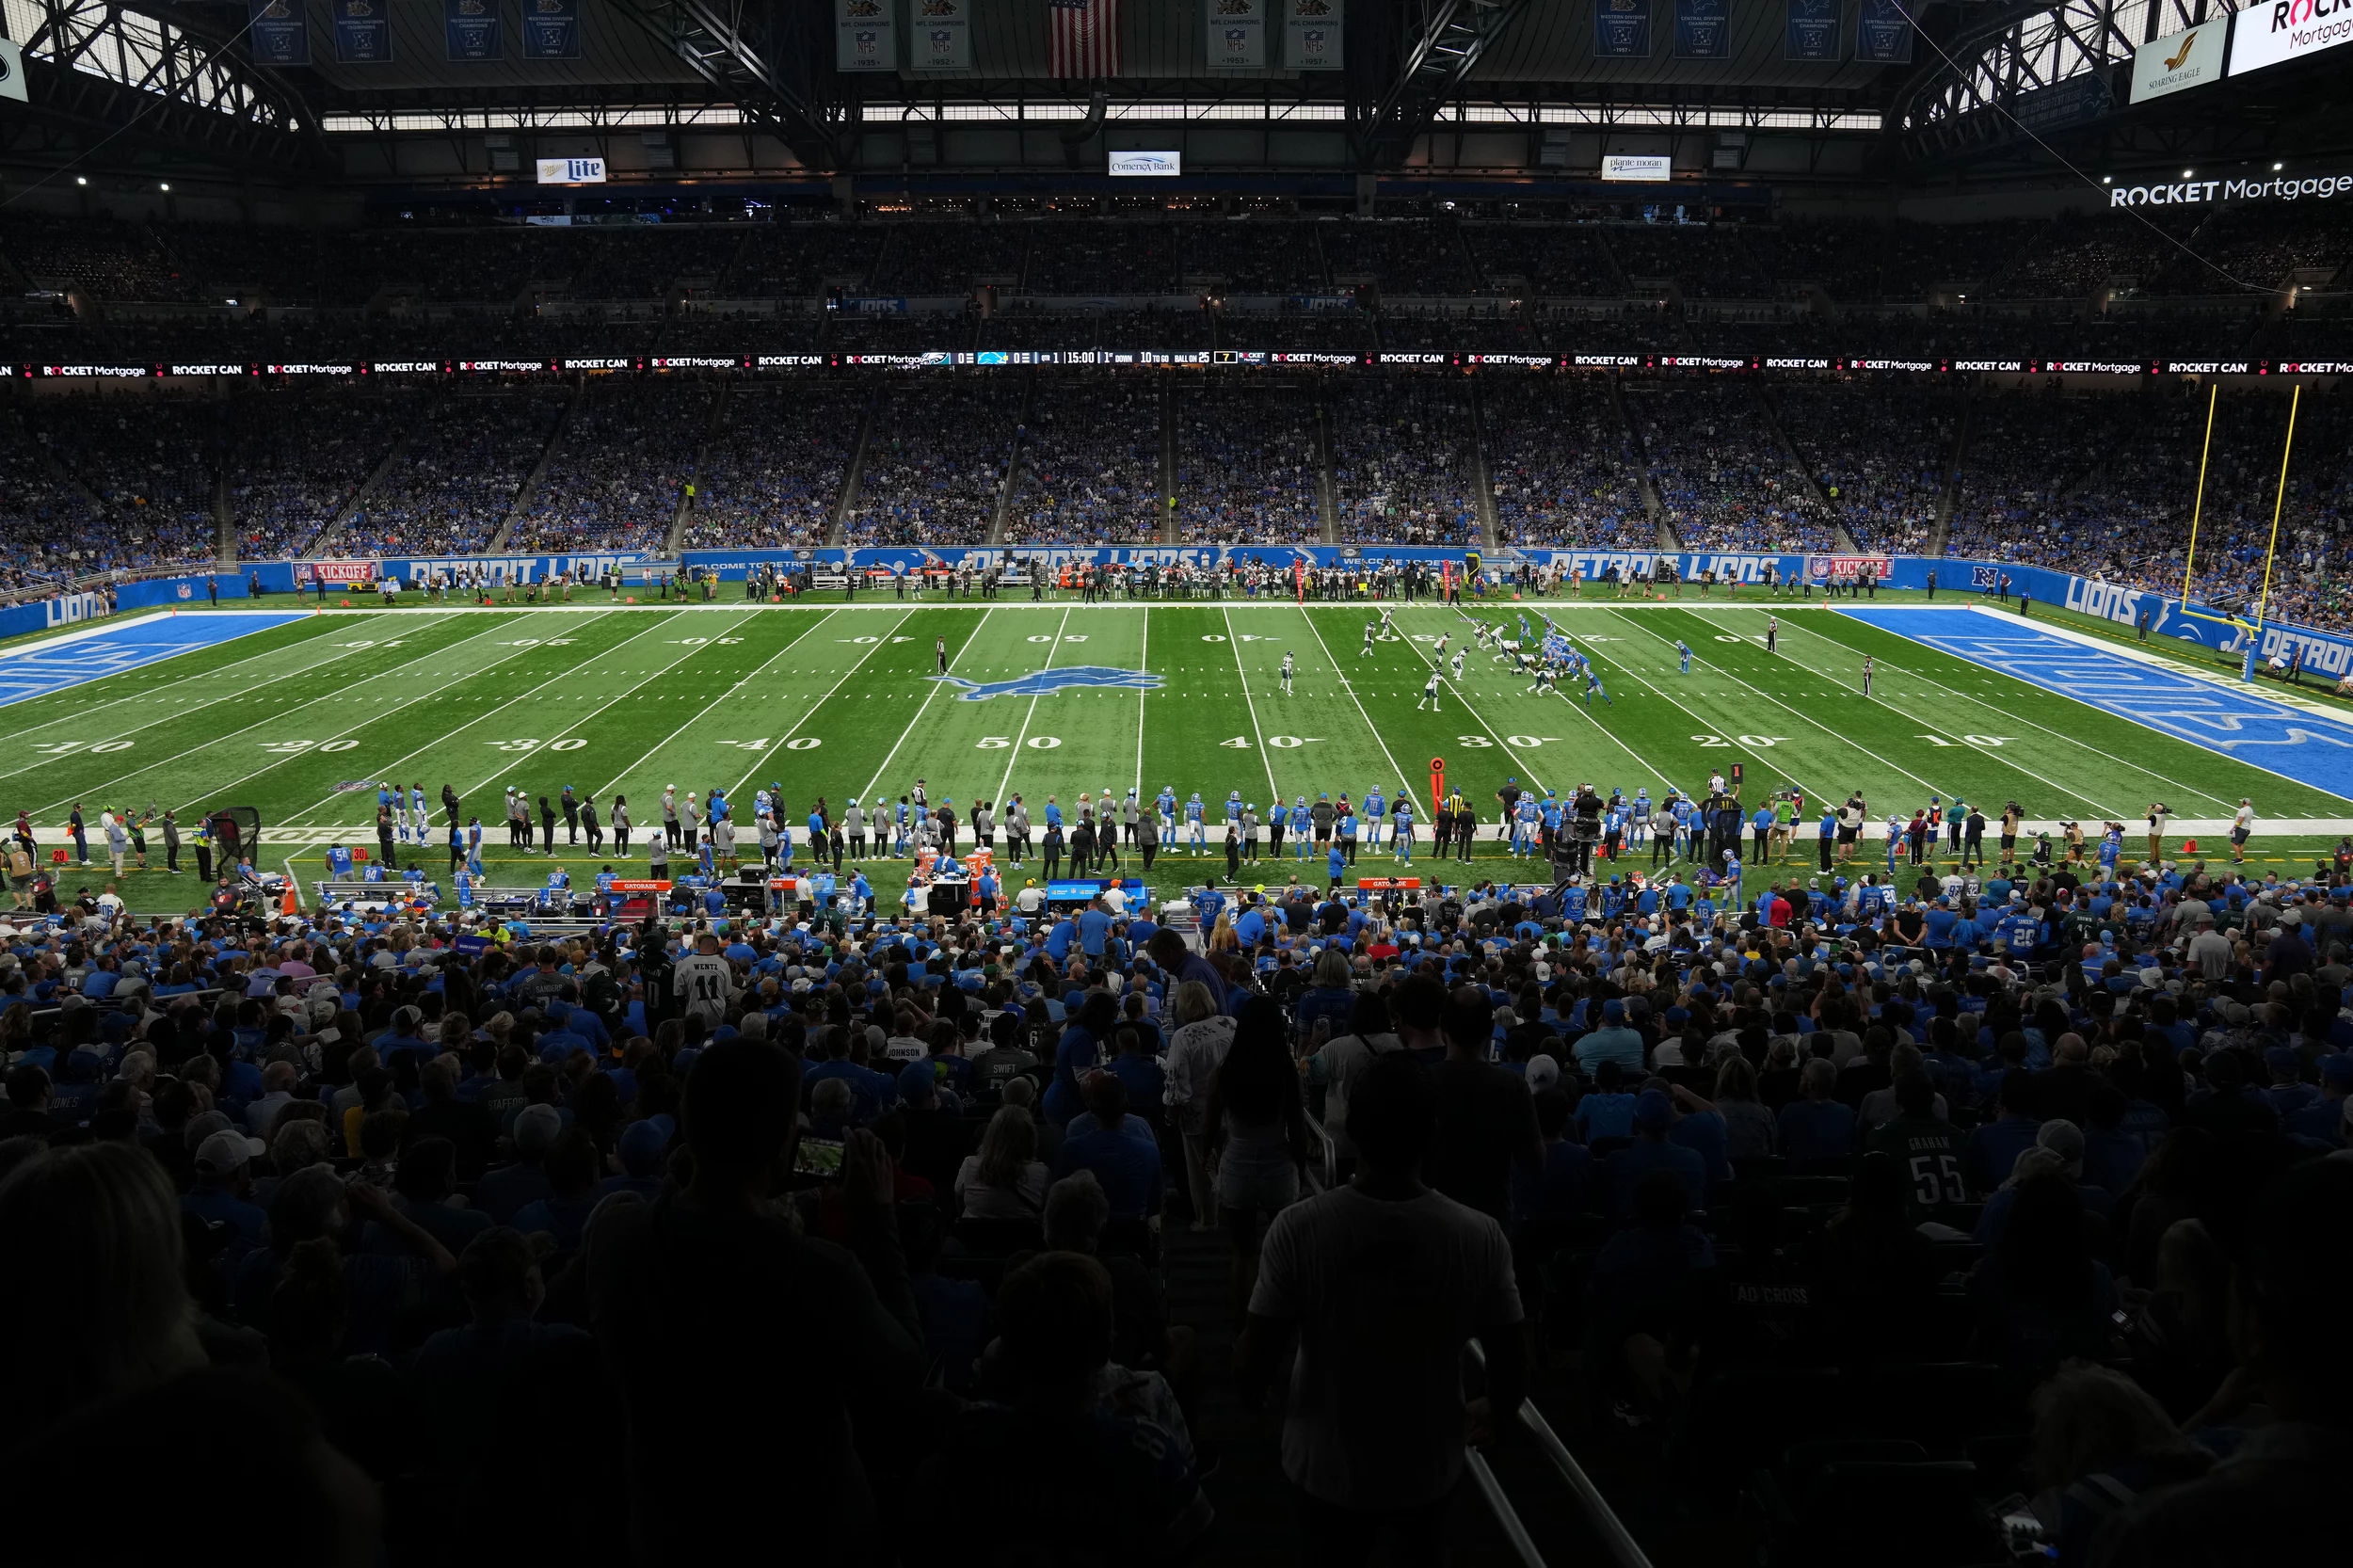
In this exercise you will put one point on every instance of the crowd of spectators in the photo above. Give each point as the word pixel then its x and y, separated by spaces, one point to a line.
pixel 298 455
pixel 149 460
pixel 950 258
pixel 614 480
pixel 775 261
pixel 454 485
pixel 773 472
pixel 1533 261
pixel 98 259
pixel 1561 468
pixel 1881 451
pixel 2007 1186
pixel 1346 330
pixel 47 520
pixel 1089 465
pixel 935 463
pixel 1247 464
pixel 1723 480
pixel 1251 256
pixel 1404 459
pixel 1409 256
pixel 1111 257
pixel 1704 262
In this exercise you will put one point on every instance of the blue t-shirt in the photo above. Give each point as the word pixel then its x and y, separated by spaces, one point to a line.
pixel 1129 1168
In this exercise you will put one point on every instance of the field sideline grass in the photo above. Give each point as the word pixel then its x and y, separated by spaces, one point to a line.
pixel 837 701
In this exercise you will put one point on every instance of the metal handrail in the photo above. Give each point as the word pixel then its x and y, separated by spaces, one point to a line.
pixel 1624 1549
pixel 1506 1515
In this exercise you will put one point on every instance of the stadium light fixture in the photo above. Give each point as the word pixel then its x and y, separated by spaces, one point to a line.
pixel 163 185
pixel 2187 173
pixel 2107 178
pixel 2276 167
pixel 80 179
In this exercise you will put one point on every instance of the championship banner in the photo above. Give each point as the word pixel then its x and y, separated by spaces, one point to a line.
pixel 863 36
pixel 471 30
pixel 551 29
pixel 1236 33
pixel 1703 30
pixel 1622 29
pixel 1312 32
pixel 1811 32
pixel 1882 33
pixel 943 35
pixel 280 33
pixel 363 32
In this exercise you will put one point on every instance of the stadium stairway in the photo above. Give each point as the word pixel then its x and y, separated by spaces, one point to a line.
pixel 685 513
pixel 530 486
pixel 332 533
pixel 853 473
pixel 1950 492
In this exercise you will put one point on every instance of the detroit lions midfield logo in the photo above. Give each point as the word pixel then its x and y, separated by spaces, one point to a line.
pixel 1046 683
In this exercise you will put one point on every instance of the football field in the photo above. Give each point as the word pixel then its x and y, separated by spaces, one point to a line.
pixel 301 717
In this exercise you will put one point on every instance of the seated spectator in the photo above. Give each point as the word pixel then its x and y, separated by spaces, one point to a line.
pixel 1652 1154
pixel 1817 1128
pixel 1128 1166
pixel 1003 1181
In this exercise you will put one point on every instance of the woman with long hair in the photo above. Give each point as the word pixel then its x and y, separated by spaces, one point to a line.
pixel 1005 1180
pixel 1258 1130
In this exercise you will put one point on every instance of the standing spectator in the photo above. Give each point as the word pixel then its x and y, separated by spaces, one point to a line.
pixel 1381 1283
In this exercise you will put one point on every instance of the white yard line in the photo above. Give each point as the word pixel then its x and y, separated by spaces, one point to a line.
pixel 1989 753
pixel 1403 776
pixel 84 715
pixel 924 707
pixel 177 713
pixel 280 718
pixel 881 642
pixel 1234 643
pixel 1798 625
pixel 394 766
pixel 789 643
pixel 656 674
pixel 1144 662
pixel 1018 741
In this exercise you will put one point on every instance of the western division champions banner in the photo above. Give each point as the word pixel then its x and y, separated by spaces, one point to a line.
pixel 943 35
pixel 1882 33
pixel 1622 29
pixel 551 29
pixel 472 31
pixel 1312 30
pixel 1703 30
pixel 1235 30
pixel 280 35
pixel 363 32
pixel 863 39
pixel 1813 31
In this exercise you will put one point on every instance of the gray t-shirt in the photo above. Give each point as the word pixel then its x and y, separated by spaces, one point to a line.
pixel 1383 1294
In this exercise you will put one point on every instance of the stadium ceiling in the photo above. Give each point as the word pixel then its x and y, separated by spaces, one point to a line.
pixel 174 82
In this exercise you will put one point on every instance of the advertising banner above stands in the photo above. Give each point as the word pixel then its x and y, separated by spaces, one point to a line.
pixel 1713 364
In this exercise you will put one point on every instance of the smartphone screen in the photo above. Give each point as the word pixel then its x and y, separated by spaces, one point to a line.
pixel 820 1156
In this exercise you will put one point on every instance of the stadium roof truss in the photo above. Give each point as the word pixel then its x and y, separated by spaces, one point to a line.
pixel 2040 68
pixel 762 58
pixel 1446 47
pixel 97 70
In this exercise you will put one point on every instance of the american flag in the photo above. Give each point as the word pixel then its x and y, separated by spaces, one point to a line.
pixel 1084 39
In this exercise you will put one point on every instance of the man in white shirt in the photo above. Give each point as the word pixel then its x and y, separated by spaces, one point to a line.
pixel 703 981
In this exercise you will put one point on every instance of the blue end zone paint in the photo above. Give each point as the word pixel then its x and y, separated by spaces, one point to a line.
pixel 2239 724
pixel 41 668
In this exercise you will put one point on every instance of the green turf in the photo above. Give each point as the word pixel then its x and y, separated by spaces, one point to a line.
pixel 836 701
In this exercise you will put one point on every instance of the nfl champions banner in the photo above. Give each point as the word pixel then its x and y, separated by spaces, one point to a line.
pixel 942 36
pixel 864 36
pixel 1236 31
pixel 471 30
pixel 278 32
